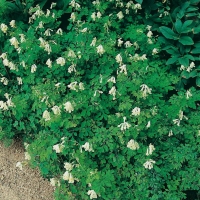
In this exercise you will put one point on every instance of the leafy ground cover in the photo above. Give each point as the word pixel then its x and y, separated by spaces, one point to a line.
pixel 104 94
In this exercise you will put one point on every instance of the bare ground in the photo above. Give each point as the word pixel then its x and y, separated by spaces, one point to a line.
pixel 20 185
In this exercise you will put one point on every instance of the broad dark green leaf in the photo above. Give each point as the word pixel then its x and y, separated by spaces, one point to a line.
pixel 186 40
pixel 196 51
pixel 193 74
pixel 198 81
pixel 185 74
pixel 139 1
pixel 184 61
pixel 178 25
pixel 168 33
pixel 171 60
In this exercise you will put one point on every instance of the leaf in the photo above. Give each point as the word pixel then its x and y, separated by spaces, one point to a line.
pixel 178 25
pixel 193 74
pixel 194 1
pixel 139 1
pixel 196 51
pixel 185 74
pixel 198 81
pixel 184 61
pixel 196 30
pixel 186 40
pixel 187 23
pixel 168 33
pixel 171 60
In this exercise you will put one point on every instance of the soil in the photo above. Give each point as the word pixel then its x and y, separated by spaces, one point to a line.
pixel 16 184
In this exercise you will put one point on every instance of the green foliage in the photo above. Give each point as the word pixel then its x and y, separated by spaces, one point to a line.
pixel 87 88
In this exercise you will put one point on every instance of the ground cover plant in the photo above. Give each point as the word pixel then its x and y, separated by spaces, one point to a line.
pixel 105 95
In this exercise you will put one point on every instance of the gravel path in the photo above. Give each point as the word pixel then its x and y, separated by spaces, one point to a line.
pixel 20 185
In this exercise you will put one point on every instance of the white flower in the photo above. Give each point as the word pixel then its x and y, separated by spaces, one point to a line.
pixel 68 107
pixel 72 86
pixel 136 111
pixel 143 57
pixel 12 23
pixel 48 32
pixel 149 34
pixel 87 147
pixel 56 110
pixel 113 92
pixel 66 176
pixel 149 41
pixel 59 31
pixel 57 85
pixel 150 149
pixel 33 68
pixel 128 44
pixel 81 86
pixel 12 66
pixel 192 65
pixel 5 62
pixel 40 25
pixel 120 42
pixel 49 63
pixel 123 69
pixel 92 194
pixel 137 6
pixel 73 17
pixel 72 68
pixel 19 79
pixel 68 166
pixel 99 15
pixel 27 156
pixel 100 49
pixel 125 125
pixel 71 178
pixel 4 80
pixel 133 145
pixel 3 105
pixel 148 27
pixel 47 48
pixel 112 79
pixel 53 5
pixel 93 16
pixel 177 121
pixel 60 61
pixel 136 45
pixel 19 165
pixel 46 115
pixel 149 164
pixel 95 93
pixel 84 30
pixel 58 148
pixel 71 54
pixel 48 13
pixel 3 55
pixel 182 67
pixel 155 51
pixel 148 124
pixel 93 43
pixel 53 181
pixel 22 38
pixel 4 28
pixel 14 42
pixel 170 133
pixel 120 15
pixel 145 90
pixel 118 59
pixel 188 94
pixel 10 103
